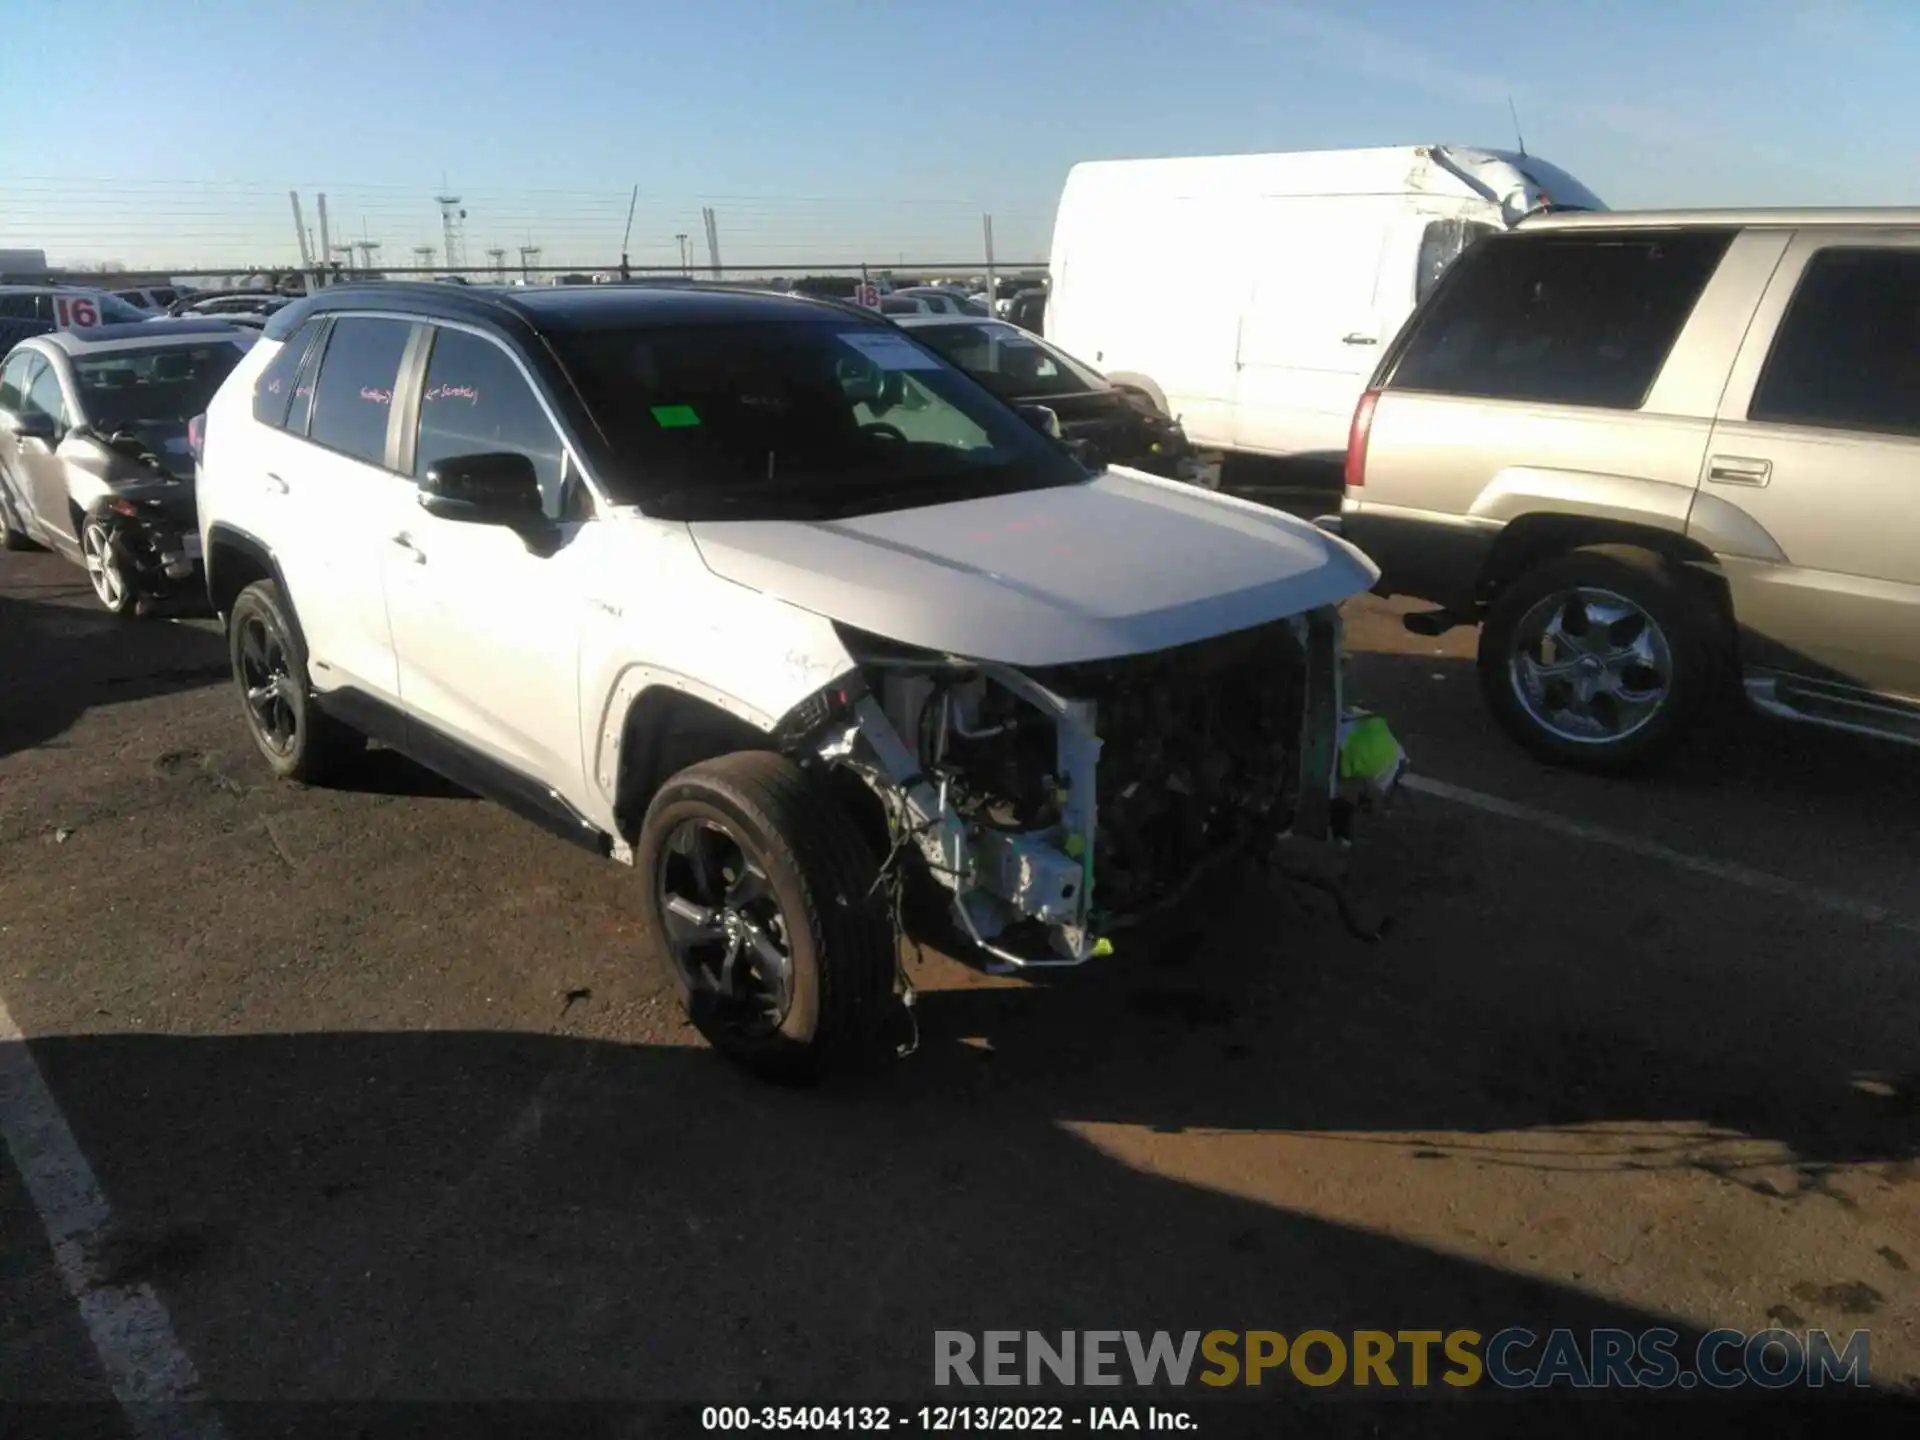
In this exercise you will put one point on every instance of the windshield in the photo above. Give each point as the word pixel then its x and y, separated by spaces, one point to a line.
pixel 156 390
pixel 815 417
pixel 1009 361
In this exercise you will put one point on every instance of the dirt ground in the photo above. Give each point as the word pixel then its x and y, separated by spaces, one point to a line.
pixel 388 1106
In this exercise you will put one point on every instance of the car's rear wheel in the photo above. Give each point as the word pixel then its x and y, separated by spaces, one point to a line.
pixel 1597 659
pixel 269 664
pixel 759 896
pixel 100 551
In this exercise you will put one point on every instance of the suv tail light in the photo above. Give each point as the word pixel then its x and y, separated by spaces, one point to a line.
pixel 197 437
pixel 1357 439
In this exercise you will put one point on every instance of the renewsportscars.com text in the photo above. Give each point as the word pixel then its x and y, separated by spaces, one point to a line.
pixel 1511 1359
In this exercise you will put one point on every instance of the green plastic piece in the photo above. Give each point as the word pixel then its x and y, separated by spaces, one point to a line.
pixel 1101 948
pixel 1076 846
pixel 675 417
pixel 1369 751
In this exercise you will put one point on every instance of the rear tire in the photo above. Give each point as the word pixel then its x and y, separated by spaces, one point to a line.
pixel 269 666
pixel 100 551
pixel 788 884
pixel 1598 659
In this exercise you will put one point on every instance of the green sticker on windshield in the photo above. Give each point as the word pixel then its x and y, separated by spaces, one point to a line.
pixel 675 417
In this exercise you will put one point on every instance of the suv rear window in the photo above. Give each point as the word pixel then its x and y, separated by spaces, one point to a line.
pixel 1565 319
pixel 1847 355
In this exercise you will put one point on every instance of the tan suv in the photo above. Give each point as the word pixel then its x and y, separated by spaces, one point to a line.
pixel 1653 453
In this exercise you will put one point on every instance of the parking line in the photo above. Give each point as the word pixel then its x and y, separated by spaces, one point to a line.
pixel 1731 872
pixel 152 1377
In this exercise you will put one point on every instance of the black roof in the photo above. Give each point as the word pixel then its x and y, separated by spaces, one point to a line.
pixel 563 308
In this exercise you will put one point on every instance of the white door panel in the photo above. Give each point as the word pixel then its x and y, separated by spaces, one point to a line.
pixel 1313 330
pixel 487 628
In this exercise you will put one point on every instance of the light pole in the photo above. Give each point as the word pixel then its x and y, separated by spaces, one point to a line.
pixel 683 253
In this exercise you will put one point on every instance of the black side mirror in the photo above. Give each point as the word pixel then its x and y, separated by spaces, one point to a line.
pixel 33 426
pixel 489 489
pixel 1042 418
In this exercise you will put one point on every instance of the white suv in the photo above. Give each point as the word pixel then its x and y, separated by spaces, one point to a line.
pixel 759 595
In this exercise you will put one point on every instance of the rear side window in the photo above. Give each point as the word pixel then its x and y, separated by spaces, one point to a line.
pixel 353 396
pixel 1847 355
pixel 1565 319
pixel 273 392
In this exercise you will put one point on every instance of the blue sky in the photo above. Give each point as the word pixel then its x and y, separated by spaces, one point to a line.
pixel 879 130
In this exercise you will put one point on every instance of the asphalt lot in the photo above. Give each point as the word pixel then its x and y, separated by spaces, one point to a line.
pixel 386 1106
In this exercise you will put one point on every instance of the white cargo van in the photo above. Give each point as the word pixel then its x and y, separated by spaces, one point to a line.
pixel 1250 296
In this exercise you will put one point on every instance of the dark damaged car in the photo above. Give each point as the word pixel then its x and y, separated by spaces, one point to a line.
pixel 96 459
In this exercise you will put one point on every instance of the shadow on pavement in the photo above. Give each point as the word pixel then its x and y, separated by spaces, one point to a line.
pixel 443 1217
pixel 59 661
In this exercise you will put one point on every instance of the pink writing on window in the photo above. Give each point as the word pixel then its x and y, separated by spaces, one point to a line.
pixel 468 393
pixel 378 397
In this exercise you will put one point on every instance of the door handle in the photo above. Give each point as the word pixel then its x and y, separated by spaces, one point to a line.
pixel 1356 338
pixel 273 484
pixel 1739 470
pixel 414 552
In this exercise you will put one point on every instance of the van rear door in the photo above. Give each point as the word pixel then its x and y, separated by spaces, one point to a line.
pixel 1313 329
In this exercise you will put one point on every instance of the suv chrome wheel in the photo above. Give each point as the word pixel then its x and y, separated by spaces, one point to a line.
pixel 724 929
pixel 1590 666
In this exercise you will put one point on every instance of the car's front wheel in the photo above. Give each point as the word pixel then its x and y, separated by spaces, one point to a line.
pixel 1597 659
pixel 759 895
pixel 270 671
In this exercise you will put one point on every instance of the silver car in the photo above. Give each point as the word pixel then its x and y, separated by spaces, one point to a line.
pixel 95 458
pixel 1658 457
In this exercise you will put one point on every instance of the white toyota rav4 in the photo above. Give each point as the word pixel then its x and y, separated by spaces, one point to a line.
pixel 759 595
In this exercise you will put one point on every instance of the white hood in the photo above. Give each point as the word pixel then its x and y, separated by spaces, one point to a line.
pixel 1122 565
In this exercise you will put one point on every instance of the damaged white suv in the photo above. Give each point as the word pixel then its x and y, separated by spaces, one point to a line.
pixel 757 594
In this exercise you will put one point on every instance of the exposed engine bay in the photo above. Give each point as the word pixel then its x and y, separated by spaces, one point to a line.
pixel 1059 805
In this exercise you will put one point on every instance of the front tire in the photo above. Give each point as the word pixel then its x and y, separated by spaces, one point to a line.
pixel 760 900
pixel 270 671
pixel 1598 659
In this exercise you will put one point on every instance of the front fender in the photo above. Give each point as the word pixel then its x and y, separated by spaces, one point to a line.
pixel 747 654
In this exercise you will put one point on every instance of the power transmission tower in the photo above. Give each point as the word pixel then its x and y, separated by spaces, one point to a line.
pixel 529 255
pixel 423 256
pixel 367 249
pixel 498 256
pixel 683 252
pixel 453 222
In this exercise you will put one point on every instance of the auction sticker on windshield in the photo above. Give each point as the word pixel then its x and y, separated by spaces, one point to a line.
pixel 894 352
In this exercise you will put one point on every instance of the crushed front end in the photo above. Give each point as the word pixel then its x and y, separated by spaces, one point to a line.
pixel 1057 806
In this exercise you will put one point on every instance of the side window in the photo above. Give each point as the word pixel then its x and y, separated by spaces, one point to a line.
pixel 1847 354
pixel 1442 243
pixel 43 395
pixel 353 396
pixel 476 401
pixel 273 391
pixel 13 381
pixel 1565 319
